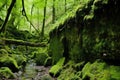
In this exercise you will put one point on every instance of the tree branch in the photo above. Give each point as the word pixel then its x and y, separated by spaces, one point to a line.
pixel 24 14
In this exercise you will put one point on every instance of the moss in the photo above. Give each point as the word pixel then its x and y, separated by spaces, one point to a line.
pixel 69 72
pixel 48 61
pixel 56 49
pixel 67 16
pixel 100 71
pixel 41 58
pixel 7 61
pixel 55 70
pixel 79 66
pixel 76 52
pixel 3 51
pixel 6 72
pixel 40 55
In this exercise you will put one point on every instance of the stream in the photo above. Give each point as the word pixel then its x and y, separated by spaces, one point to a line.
pixel 33 72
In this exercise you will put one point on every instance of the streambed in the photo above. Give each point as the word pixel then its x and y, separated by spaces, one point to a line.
pixel 33 72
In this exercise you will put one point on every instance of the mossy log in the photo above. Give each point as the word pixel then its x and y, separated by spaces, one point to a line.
pixel 21 42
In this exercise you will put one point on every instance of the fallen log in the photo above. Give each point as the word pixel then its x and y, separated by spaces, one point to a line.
pixel 21 42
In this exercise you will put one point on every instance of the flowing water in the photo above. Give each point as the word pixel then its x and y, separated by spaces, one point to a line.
pixel 33 72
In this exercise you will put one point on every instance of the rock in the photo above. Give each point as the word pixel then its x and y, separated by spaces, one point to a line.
pixel 7 61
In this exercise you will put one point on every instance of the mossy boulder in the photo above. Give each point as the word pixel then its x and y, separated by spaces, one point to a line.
pixel 5 72
pixel 100 71
pixel 7 61
pixel 55 70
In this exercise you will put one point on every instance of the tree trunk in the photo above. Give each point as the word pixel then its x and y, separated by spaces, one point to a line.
pixel 42 32
pixel 38 23
pixel 7 17
pixel 31 16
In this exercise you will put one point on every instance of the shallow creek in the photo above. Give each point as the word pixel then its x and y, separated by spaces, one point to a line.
pixel 33 72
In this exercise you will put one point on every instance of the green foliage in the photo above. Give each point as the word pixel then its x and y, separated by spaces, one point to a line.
pixel 3 52
pixel 55 70
pixel 67 16
pixel 6 72
pixel 21 60
pixel 100 71
pixel 48 61
pixel 40 56
pixel 69 72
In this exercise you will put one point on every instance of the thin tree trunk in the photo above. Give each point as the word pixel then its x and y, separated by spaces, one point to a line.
pixel 7 17
pixel 38 23
pixel 53 12
pixel 42 32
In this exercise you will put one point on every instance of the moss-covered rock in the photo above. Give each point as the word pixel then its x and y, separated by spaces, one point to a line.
pixel 89 34
pixel 55 70
pixel 101 71
pixel 7 61
pixel 5 72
